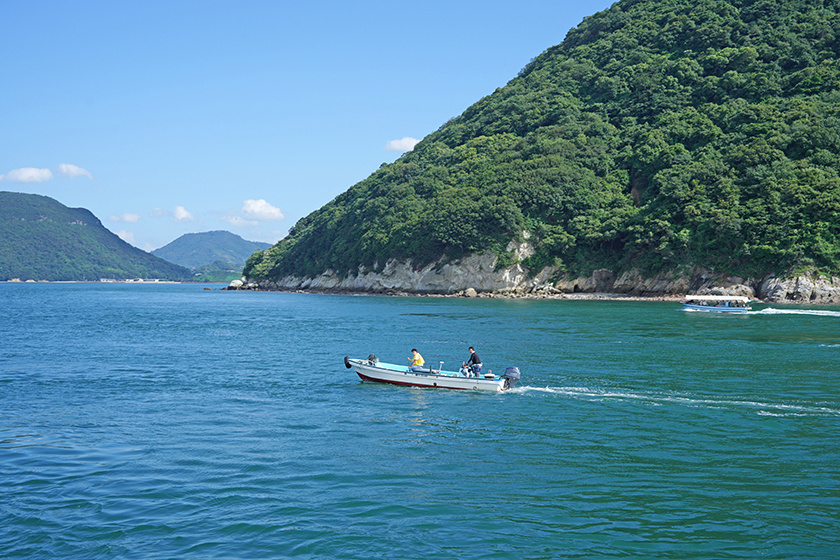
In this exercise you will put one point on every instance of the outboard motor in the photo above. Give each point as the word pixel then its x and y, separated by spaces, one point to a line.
pixel 511 377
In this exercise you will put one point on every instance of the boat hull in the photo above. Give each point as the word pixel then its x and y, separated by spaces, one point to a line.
pixel 716 309
pixel 399 375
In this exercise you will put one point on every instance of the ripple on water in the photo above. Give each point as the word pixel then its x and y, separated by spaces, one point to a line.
pixel 187 424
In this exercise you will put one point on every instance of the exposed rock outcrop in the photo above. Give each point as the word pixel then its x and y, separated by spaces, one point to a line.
pixel 476 271
pixel 479 274
pixel 806 288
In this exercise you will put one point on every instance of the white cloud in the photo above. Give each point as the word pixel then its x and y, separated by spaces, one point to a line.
pixel 27 175
pixel 402 145
pixel 70 170
pixel 182 215
pixel 126 217
pixel 38 175
pixel 239 221
pixel 126 236
pixel 261 210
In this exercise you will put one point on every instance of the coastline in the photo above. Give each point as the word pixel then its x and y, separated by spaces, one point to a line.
pixel 477 276
pixel 465 294
pixel 512 295
pixel 136 281
pixel 597 296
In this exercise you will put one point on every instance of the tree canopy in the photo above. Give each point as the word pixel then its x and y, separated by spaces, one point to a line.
pixel 44 240
pixel 659 134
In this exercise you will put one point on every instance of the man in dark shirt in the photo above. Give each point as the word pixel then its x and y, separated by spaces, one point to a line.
pixel 474 362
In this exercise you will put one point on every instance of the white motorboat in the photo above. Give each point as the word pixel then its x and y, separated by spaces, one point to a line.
pixel 380 372
pixel 719 304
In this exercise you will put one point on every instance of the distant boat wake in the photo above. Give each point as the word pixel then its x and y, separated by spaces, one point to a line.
pixel 760 408
pixel 777 311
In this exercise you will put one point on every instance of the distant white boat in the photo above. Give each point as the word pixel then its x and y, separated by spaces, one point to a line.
pixel 717 304
pixel 380 372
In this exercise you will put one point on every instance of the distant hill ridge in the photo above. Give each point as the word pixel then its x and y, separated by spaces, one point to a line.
pixel 44 240
pixel 658 138
pixel 194 250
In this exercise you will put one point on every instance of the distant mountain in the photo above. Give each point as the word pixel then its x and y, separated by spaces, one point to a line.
pixel 195 250
pixel 41 239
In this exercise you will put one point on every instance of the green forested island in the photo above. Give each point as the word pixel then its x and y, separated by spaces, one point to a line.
pixel 658 136
pixel 215 256
pixel 41 239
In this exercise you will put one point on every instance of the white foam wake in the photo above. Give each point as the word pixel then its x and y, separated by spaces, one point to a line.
pixel 777 311
pixel 762 408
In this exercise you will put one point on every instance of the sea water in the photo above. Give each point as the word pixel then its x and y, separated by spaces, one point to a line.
pixel 172 421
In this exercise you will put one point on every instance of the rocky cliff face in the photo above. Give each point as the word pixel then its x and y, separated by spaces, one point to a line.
pixel 801 288
pixel 479 273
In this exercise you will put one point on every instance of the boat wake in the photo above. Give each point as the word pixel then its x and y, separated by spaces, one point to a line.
pixel 760 408
pixel 777 311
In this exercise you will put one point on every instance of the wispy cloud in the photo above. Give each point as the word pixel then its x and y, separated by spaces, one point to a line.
pixel 239 221
pixel 402 145
pixel 261 210
pixel 27 175
pixel 127 217
pixel 183 215
pixel 70 170
pixel 39 175
pixel 126 236
pixel 180 214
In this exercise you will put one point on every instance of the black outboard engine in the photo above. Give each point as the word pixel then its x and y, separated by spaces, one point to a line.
pixel 511 377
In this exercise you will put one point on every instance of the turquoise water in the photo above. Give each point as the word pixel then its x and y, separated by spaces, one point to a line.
pixel 168 421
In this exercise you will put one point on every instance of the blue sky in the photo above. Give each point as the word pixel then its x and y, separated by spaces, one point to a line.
pixel 165 118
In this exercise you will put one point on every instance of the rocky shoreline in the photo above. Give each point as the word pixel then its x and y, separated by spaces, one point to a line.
pixel 236 286
pixel 463 294
pixel 478 276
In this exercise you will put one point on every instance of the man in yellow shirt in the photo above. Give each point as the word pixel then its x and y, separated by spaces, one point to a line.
pixel 417 361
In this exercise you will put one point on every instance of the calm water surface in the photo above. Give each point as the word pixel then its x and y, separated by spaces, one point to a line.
pixel 168 421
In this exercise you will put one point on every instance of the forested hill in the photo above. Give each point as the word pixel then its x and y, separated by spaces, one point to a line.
pixel 659 135
pixel 41 239
pixel 198 249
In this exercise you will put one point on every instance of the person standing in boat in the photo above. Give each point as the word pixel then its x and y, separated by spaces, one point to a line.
pixel 417 360
pixel 474 363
